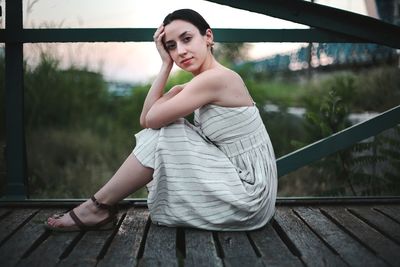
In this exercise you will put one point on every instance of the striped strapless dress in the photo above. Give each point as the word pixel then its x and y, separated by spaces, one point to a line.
pixel 218 174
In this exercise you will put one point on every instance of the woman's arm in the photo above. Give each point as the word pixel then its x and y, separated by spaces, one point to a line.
pixel 183 100
pixel 156 92
pixel 157 88
pixel 171 93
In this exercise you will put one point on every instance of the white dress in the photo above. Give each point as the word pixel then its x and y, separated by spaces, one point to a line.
pixel 218 174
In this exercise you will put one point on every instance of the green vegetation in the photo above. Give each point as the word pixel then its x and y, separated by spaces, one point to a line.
pixel 78 133
pixel 367 168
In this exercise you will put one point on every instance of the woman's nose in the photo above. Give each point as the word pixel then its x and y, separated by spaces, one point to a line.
pixel 181 49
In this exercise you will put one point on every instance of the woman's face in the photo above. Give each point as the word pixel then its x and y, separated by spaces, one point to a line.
pixel 186 46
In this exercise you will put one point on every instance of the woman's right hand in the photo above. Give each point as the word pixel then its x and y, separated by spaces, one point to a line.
pixel 158 39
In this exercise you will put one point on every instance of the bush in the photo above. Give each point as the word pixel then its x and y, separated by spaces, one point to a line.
pixel 378 89
pixel 77 133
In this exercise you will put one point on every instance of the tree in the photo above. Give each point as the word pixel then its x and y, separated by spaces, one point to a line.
pixel 230 54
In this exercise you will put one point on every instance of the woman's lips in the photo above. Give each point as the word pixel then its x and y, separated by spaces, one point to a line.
pixel 186 61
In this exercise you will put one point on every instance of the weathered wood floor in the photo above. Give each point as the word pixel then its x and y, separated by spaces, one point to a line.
pixel 311 235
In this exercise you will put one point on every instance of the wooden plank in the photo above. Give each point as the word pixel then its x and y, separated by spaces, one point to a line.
pixel 383 247
pixel 200 249
pixel 24 239
pixel 348 248
pixel 10 223
pixel 312 250
pixel 391 211
pixel 237 249
pixel 49 252
pixel 382 223
pixel 124 249
pixel 88 249
pixel 273 250
pixel 160 247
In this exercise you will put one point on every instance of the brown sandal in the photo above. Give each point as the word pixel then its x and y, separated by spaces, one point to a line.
pixel 106 224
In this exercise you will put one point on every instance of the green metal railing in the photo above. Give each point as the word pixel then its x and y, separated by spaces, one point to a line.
pixel 338 141
pixel 331 25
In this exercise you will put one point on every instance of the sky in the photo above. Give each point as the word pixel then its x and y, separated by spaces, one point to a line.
pixel 139 62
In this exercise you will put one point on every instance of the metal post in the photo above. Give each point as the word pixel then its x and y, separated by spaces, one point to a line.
pixel 16 187
pixel 309 56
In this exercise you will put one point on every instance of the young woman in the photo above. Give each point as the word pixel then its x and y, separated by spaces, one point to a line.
pixel 218 174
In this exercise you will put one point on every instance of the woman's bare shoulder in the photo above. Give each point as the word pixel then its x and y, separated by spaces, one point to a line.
pixel 220 77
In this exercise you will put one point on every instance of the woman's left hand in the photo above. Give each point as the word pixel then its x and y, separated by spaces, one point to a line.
pixel 158 39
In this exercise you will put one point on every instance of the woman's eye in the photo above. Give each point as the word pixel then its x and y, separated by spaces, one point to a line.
pixel 187 39
pixel 170 47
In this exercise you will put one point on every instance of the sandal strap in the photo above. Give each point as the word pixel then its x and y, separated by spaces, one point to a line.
pixel 77 221
pixel 84 227
pixel 99 205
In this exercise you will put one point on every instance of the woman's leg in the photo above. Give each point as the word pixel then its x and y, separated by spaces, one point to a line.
pixel 131 176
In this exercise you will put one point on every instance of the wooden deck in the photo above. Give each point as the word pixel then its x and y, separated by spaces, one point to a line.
pixel 333 234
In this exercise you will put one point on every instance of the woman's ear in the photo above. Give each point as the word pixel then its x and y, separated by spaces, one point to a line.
pixel 209 37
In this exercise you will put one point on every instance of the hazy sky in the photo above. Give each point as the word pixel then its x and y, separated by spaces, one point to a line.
pixel 140 61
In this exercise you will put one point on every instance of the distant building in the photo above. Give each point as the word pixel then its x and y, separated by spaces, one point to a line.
pixel 120 88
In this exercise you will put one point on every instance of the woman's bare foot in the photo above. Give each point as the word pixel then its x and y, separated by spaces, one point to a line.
pixel 87 212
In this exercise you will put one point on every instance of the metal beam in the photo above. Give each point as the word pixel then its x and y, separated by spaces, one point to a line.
pixel 16 186
pixel 338 141
pixel 282 35
pixel 142 202
pixel 323 17
pixel 146 35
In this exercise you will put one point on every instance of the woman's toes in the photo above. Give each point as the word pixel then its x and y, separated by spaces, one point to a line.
pixel 55 221
pixel 50 221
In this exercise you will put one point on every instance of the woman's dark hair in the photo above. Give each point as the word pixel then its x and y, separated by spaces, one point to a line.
pixel 190 16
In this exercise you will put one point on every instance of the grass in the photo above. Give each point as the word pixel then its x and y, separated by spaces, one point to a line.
pixel 285 94
pixel 74 163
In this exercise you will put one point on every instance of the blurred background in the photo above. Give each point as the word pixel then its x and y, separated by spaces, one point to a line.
pixel 83 100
